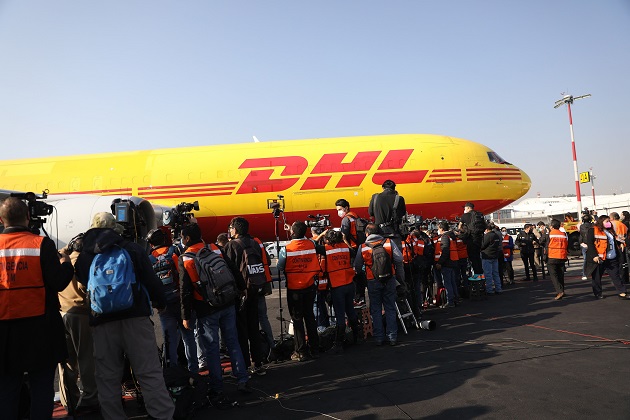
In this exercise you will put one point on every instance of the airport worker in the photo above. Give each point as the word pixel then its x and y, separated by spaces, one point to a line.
pixel 165 260
pixel 526 240
pixel 31 329
pixel 337 266
pixel 556 252
pixel 602 255
pixel 301 266
pixel 447 262
pixel 381 280
pixel 585 226
pixel 508 255
pixel 251 264
pixel 490 252
pixel 75 311
pixel 210 319
pixel 388 208
pixel 476 226
pixel 129 331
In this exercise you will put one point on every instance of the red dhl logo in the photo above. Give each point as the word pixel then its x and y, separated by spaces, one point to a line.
pixel 259 179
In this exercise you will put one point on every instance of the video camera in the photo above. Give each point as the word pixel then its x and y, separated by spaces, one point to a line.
pixel 409 223
pixel 320 221
pixel 179 216
pixel 37 210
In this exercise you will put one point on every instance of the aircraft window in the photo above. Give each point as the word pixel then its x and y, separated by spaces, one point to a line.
pixel 495 158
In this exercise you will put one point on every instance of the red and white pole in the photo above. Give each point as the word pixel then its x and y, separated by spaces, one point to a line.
pixel 593 189
pixel 578 194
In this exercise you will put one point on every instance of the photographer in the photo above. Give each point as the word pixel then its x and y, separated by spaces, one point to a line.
pixel 388 209
pixel 348 223
pixel 31 328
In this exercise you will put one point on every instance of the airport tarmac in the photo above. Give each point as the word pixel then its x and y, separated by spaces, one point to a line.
pixel 518 355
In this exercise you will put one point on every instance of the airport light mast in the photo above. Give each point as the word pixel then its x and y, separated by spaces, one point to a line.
pixel 568 100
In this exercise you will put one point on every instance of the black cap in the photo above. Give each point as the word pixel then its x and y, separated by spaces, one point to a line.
pixel 469 204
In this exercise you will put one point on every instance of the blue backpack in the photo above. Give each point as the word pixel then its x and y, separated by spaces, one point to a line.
pixel 111 281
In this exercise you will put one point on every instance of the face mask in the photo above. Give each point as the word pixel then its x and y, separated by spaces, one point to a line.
pixel 341 213
pixel 504 232
pixel 607 225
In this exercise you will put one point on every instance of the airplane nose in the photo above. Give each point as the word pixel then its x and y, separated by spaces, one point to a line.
pixel 526 182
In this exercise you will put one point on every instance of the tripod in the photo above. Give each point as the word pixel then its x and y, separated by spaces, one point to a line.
pixel 276 210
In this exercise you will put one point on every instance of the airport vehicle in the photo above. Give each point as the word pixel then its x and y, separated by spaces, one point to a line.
pixel 436 175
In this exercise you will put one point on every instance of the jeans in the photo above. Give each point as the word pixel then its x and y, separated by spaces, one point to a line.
pixel 321 309
pixel 224 319
pixel 584 261
pixel 491 273
pixel 343 303
pixel 41 384
pixel 449 278
pixel 383 295
pixel 171 320
pixel 264 320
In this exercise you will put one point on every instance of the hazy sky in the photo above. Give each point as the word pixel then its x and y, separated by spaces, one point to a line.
pixel 97 76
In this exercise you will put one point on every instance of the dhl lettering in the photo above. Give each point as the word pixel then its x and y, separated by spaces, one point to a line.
pixel 260 180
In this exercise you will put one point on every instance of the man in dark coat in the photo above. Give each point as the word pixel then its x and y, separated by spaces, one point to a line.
pixel 32 334
pixel 381 207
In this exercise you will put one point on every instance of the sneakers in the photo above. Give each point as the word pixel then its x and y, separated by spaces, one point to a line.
pixel 584 278
pixel 244 388
pixel 297 357
pixel 258 370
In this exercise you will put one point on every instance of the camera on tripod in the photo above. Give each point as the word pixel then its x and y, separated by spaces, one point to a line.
pixel 37 210
pixel 179 216
pixel 318 221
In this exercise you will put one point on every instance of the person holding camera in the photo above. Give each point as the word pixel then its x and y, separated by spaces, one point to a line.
pixel 128 331
pixel 388 208
pixel 301 266
pixel 32 333
pixel 75 312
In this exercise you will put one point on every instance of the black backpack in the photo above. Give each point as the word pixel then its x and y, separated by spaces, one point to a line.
pixel 360 224
pixel 477 225
pixel 216 283
pixel 381 262
pixel 252 263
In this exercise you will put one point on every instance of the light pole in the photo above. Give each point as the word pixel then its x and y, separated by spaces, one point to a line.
pixel 593 187
pixel 568 99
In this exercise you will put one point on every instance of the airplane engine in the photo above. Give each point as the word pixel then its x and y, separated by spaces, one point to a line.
pixel 73 214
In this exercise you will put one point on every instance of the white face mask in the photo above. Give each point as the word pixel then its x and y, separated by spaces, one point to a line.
pixel 341 213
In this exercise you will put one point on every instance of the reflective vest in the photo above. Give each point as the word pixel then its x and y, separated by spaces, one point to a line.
pixel 189 265
pixel 408 249
pixel 264 260
pixel 620 228
pixel 453 253
pixel 338 264
pixel 601 242
pixel 558 244
pixel 462 250
pixel 22 290
pixel 353 228
pixel 507 251
pixel 366 252
pixel 302 265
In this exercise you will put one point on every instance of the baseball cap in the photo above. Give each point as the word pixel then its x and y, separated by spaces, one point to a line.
pixel 106 220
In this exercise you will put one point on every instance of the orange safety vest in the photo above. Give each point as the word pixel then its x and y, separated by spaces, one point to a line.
pixel 408 249
pixel 302 264
pixel 507 251
pixel 558 244
pixel 620 228
pixel 353 227
pixel 189 265
pixel 601 242
pixel 22 290
pixel 366 252
pixel 462 250
pixel 338 264
pixel 264 260
pixel 452 248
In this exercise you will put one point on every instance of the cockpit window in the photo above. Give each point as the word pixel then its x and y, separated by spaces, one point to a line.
pixel 495 158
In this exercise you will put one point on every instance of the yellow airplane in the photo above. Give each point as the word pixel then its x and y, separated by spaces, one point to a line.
pixel 436 175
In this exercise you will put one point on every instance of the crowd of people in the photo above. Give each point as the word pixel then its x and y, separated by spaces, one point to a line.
pixel 76 333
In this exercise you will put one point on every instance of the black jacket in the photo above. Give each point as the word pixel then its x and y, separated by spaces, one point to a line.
pixel 382 208
pixel 36 343
pixel 525 242
pixel 445 249
pixel 490 246
pixel 97 240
